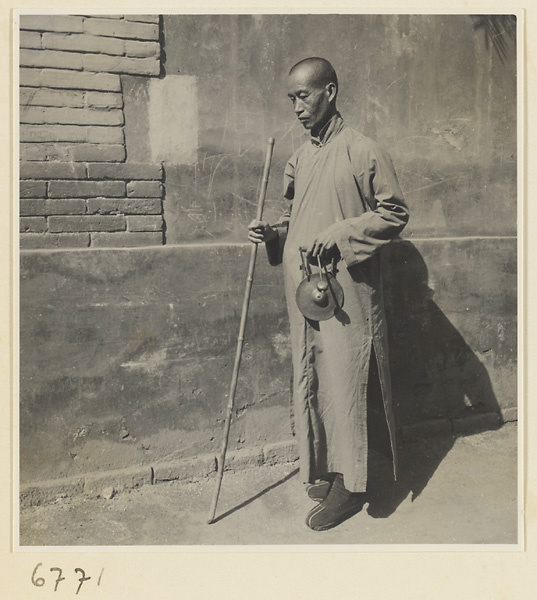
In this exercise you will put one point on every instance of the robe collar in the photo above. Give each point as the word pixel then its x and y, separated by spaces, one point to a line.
pixel 329 131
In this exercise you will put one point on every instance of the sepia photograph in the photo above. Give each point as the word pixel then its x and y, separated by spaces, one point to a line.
pixel 268 282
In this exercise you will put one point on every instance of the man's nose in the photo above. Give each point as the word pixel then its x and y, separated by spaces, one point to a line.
pixel 298 107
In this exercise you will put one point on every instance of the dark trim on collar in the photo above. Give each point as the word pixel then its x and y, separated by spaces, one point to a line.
pixel 329 131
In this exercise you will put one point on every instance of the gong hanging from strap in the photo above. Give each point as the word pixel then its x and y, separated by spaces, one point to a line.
pixel 319 295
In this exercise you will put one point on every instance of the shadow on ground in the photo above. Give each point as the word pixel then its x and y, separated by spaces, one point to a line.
pixel 417 465
pixel 256 496
pixel 435 374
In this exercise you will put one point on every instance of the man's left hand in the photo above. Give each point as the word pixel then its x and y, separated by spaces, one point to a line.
pixel 324 247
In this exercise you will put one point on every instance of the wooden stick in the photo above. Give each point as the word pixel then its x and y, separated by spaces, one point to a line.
pixel 240 340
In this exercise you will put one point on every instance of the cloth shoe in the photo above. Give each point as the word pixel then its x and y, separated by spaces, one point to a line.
pixel 338 506
pixel 318 491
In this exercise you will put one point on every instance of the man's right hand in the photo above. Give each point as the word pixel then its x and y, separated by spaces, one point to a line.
pixel 261 231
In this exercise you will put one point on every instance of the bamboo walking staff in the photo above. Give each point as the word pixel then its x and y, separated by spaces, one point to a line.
pixel 240 340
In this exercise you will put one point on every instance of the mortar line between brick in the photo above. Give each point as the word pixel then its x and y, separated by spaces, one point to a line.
pixel 414 239
pixel 169 247
pixel 456 238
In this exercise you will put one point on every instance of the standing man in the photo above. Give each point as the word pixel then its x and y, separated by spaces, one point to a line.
pixel 345 204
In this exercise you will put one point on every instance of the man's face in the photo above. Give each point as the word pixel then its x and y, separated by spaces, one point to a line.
pixel 311 102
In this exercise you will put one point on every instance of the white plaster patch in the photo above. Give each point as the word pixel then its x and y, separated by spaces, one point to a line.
pixel 173 119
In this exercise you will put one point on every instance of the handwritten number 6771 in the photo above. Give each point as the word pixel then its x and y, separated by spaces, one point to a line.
pixel 40 581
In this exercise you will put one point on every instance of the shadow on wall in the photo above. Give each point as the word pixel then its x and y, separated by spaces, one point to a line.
pixel 435 374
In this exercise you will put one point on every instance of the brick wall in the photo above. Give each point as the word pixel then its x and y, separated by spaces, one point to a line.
pixel 78 188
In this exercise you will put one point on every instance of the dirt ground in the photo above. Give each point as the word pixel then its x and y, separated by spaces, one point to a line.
pixel 450 491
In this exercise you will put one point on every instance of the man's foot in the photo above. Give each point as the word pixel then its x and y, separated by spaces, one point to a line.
pixel 339 505
pixel 318 491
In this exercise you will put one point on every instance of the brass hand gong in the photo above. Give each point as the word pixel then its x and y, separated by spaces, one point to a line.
pixel 319 295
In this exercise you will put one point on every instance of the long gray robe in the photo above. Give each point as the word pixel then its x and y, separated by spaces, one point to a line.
pixel 343 182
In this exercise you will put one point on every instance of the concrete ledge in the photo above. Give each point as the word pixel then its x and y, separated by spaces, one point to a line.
pixel 509 415
pixel 125 479
pixel 186 469
pixel 468 425
pixel 203 466
pixel 46 492
pixel 280 453
pixel 476 424
pixel 243 459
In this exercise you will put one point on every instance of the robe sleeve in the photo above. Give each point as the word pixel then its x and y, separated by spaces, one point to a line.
pixel 359 238
pixel 275 247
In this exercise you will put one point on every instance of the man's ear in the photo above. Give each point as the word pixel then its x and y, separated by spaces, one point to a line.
pixel 331 89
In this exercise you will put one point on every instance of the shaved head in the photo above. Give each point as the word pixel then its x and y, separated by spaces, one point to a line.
pixel 319 71
pixel 312 88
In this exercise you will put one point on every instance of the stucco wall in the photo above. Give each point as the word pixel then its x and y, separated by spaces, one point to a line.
pixel 114 378
pixel 426 87
pixel 126 354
